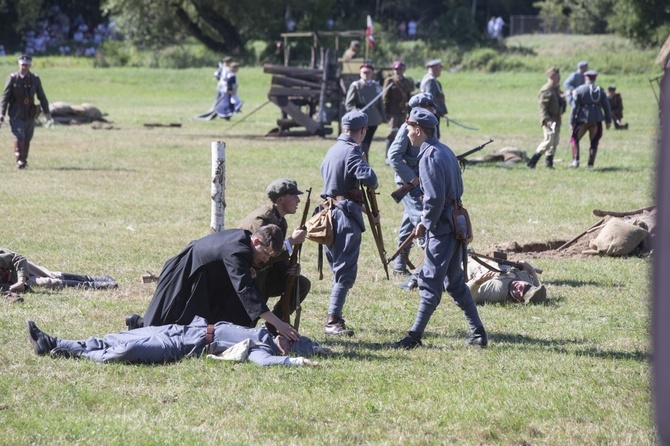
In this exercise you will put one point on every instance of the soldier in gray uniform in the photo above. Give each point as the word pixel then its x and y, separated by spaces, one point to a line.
pixel 552 106
pixel 361 94
pixel 343 170
pixel 271 278
pixel 575 79
pixel 168 343
pixel 404 159
pixel 430 84
pixel 590 109
pixel 18 99
pixel 442 186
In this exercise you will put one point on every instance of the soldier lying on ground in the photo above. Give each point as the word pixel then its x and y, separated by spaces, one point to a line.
pixel 18 274
pixel 509 285
pixel 169 343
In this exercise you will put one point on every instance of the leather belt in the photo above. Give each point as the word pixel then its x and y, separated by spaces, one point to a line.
pixel 209 336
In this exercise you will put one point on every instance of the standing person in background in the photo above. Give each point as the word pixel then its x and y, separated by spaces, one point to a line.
pixel 430 84
pixel 352 51
pixel 412 29
pixel 616 106
pixel 395 100
pixel 575 79
pixel 442 186
pixel 230 102
pixel 498 26
pixel 362 93
pixel 343 170
pixel 552 106
pixel 590 109
pixel 18 100
pixel 221 73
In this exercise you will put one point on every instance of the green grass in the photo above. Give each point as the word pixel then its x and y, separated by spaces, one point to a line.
pixel 122 201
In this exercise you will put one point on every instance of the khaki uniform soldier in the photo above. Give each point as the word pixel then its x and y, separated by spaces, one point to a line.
pixel 352 51
pixel 396 99
pixel 18 98
pixel 284 198
pixel 552 105
pixel 616 106
pixel 430 84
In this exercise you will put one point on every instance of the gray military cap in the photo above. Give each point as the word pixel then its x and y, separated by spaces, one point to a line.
pixel 25 60
pixel 591 73
pixel 354 120
pixel 421 100
pixel 434 63
pixel 281 187
pixel 582 64
pixel 422 117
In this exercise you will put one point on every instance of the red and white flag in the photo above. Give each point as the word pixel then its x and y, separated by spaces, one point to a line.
pixel 368 32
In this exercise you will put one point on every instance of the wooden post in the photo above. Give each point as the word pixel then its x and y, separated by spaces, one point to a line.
pixel 218 191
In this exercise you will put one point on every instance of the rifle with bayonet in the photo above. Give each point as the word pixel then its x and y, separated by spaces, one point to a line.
pixel 372 211
pixel 499 261
pixel 403 190
pixel 290 295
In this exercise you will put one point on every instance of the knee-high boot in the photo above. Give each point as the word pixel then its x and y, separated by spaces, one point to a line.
pixel 26 149
pixel 533 161
pixel 592 156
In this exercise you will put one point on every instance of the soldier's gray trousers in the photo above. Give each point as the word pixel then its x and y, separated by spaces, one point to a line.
pixel 410 218
pixel 342 256
pixel 22 130
pixel 442 270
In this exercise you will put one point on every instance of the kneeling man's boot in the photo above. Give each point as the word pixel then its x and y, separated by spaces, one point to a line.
pixel 549 161
pixel 533 161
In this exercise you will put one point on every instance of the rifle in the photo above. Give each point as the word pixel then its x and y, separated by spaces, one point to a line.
pixel 462 157
pixel 372 211
pixel 500 261
pixel 289 293
pixel 403 190
pixel 401 250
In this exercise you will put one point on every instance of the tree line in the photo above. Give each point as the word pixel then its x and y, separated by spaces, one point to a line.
pixel 225 26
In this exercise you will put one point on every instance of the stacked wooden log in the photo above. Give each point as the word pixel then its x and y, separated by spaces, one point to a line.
pixel 307 97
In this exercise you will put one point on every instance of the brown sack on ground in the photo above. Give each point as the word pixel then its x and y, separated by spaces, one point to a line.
pixel 617 238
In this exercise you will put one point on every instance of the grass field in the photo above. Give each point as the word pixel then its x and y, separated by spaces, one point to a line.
pixel 122 201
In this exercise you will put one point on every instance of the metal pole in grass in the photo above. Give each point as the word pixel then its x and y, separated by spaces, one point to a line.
pixel 218 186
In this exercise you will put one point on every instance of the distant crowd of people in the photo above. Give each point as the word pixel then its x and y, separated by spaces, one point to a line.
pixel 56 32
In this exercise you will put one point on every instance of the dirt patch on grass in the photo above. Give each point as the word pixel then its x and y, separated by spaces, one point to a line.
pixel 583 246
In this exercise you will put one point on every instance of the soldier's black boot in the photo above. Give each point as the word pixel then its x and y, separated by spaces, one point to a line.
pixel 42 342
pixel 478 338
pixel 409 342
pixel 533 161
pixel 549 161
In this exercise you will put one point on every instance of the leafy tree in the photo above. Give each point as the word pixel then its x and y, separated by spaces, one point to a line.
pixel 647 22
pixel 221 25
